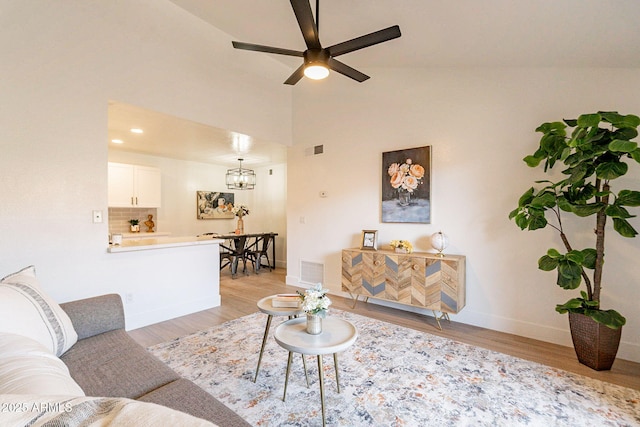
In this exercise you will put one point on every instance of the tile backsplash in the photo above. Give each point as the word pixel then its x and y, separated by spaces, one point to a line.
pixel 119 218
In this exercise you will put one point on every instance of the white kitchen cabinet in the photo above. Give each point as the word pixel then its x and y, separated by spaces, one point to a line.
pixel 134 186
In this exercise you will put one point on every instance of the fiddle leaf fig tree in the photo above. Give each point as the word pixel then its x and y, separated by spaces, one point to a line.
pixel 591 157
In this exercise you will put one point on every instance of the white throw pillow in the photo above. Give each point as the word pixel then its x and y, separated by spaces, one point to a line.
pixel 27 367
pixel 26 310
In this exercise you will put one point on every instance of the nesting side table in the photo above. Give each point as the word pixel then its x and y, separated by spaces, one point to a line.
pixel 265 306
pixel 337 335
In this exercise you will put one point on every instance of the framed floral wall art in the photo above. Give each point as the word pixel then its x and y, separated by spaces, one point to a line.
pixel 214 205
pixel 406 185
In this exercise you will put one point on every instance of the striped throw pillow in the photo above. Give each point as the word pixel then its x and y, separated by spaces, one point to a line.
pixel 26 310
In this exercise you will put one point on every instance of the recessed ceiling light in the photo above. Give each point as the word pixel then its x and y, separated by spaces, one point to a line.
pixel 136 130
pixel 117 141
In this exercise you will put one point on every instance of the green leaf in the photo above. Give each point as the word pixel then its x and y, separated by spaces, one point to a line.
pixel 622 146
pixel 589 258
pixel 628 198
pixel 564 204
pixel 557 127
pixel 574 303
pixel 612 117
pixel 536 222
pixel 578 172
pixel 569 269
pixel 568 282
pixel 615 211
pixel 553 253
pixel 575 256
pixel 609 318
pixel 587 209
pixel 572 159
pixel 630 121
pixel 513 213
pixel 635 155
pixel 522 221
pixel 589 120
pixel 625 134
pixel 526 198
pixel 565 153
pixel 545 199
pixel 611 170
pixel 623 227
pixel 532 161
pixel 546 263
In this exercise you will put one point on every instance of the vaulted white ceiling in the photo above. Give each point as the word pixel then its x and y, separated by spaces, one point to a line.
pixel 435 33
pixel 446 33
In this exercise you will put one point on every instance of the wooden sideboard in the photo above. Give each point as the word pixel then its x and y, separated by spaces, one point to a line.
pixel 419 279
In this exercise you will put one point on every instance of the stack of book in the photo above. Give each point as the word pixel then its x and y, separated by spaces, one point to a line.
pixel 286 301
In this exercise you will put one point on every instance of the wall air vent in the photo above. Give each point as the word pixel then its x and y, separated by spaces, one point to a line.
pixel 315 150
pixel 311 272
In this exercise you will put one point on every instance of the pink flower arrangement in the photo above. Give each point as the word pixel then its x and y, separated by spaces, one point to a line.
pixel 406 176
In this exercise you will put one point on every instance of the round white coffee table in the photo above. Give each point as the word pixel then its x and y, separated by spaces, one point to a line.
pixel 337 335
pixel 265 306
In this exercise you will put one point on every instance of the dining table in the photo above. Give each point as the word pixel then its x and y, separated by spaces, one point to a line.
pixel 237 246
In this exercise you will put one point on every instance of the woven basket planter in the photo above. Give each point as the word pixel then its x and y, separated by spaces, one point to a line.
pixel 596 345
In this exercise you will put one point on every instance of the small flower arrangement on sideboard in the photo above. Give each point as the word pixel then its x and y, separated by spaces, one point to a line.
pixel 402 246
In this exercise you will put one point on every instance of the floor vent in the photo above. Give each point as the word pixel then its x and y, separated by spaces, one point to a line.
pixel 311 272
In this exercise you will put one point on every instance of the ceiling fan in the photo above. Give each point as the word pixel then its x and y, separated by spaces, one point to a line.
pixel 318 60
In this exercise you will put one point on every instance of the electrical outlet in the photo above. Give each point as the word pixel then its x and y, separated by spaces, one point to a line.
pixel 97 217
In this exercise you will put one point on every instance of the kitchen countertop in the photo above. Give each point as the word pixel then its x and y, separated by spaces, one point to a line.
pixel 161 242
pixel 145 235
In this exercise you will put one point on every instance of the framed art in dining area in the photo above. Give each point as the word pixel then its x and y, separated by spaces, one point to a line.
pixel 369 240
pixel 406 185
pixel 214 205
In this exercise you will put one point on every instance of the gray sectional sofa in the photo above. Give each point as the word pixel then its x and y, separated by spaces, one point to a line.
pixel 106 361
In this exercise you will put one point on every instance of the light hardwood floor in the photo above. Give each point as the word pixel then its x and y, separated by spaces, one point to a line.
pixel 239 297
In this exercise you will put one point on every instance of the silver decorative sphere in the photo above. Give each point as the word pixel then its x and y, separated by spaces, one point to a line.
pixel 439 241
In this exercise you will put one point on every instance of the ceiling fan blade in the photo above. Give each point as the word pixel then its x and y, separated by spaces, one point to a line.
pixel 296 76
pixel 304 15
pixel 344 69
pixel 365 41
pixel 267 49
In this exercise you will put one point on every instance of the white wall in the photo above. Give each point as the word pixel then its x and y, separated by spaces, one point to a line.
pixel 480 123
pixel 61 63
pixel 180 181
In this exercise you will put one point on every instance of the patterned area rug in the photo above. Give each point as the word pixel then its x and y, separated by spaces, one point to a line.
pixel 392 376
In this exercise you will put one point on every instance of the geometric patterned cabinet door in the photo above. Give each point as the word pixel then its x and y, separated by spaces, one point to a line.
pixel 419 279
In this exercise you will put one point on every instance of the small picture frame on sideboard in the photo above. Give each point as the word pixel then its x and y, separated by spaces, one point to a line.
pixel 369 240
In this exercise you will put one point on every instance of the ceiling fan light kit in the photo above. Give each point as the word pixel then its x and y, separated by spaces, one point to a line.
pixel 315 61
pixel 318 60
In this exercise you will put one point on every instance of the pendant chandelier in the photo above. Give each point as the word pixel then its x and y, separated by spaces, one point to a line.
pixel 241 179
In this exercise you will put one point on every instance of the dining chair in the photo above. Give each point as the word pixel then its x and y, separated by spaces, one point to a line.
pixel 259 250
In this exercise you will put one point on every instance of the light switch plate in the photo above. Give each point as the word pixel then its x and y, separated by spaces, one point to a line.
pixel 97 217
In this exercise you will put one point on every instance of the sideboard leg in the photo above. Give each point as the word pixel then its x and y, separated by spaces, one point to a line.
pixel 355 300
pixel 443 315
